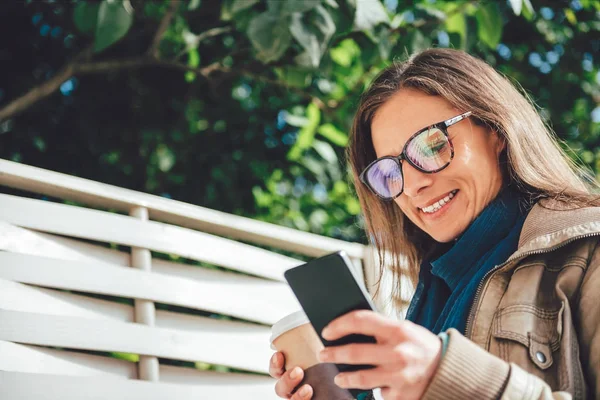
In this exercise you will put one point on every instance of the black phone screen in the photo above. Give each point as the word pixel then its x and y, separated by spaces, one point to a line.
pixel 327 288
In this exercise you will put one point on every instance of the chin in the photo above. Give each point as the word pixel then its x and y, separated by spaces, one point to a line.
pixel 443 238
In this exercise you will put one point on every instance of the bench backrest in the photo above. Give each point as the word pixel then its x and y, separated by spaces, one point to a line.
pixel 125 295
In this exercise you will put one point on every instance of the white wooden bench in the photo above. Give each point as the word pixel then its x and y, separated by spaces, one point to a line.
pixel 79 284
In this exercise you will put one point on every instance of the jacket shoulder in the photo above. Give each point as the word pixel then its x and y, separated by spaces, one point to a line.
pixel 552 223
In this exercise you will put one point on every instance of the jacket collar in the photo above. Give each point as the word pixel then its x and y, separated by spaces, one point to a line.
pixel 552 223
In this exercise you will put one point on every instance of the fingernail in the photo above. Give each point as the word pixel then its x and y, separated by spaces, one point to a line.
pixel 304 391
pixel 295 373
pixel 325 332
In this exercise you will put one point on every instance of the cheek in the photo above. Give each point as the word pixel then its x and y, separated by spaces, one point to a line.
pixel 401 203
pixel 406 208
pixel 479 162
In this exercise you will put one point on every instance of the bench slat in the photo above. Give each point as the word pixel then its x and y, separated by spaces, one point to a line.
pixel 227 290
pixel 25 299
pixel 23 386
pixel 99 194
pixel 108 227
pixel 234 344
pixel 239 296
pixel 39 360
pixel 16 296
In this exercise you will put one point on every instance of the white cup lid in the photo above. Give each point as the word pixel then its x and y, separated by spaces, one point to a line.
pixel 287 323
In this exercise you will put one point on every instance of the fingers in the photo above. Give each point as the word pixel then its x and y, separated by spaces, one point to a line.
pixel 276 366
pixel 363 379
pixel 305 392
pixel 374 354
pixel 288 382
pixel 364 322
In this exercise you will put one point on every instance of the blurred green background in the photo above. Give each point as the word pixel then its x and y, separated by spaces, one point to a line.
pixel 244 106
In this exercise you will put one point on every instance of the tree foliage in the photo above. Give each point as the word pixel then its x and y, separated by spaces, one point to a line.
pixel 245 105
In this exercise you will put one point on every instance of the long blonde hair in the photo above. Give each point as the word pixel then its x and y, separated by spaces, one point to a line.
pixel 535 162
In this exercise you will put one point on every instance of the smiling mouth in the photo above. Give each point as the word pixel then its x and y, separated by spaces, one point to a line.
pixel 438 205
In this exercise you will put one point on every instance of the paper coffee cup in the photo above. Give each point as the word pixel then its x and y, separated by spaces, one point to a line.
pixel 287 323
pixel 296 338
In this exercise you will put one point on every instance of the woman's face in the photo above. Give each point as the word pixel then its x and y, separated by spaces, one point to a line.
pixel 473 176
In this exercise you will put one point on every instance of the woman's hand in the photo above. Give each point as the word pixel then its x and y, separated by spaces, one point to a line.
pixel 405 356
pixel 288 380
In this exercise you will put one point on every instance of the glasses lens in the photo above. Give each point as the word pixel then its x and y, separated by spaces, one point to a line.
pixel 430 150
pixel 385 177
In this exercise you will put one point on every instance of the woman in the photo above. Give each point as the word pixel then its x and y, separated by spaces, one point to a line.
pixel 459 177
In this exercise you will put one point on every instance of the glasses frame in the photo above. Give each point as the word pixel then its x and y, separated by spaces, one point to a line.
pixel 442 126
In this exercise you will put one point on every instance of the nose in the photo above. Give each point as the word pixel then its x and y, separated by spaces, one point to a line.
pixel 415 181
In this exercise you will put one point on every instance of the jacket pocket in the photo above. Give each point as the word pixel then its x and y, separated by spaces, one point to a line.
pixel 539 330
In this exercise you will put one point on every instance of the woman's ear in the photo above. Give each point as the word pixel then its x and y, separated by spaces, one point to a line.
pixel 500 143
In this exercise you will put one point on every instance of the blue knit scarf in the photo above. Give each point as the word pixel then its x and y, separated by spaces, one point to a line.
pixel 447 285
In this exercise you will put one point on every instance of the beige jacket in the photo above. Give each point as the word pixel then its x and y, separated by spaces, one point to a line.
pixel 534 327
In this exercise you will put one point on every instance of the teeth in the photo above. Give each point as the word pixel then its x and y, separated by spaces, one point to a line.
pixel 439 204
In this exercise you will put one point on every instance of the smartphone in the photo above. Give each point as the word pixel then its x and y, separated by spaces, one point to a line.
pixel 327 288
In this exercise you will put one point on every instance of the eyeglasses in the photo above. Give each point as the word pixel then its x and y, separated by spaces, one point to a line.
pixel 429 150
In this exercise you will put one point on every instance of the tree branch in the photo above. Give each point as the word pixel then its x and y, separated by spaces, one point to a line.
pixel 36 94
pixel 84 68
pixel 113 65
pixel 165 22
pixel 45 89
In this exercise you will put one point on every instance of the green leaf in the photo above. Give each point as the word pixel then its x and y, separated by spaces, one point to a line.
pixel 270 36
pixel 516 5
pixel 39 143
pixel 587 156
pixel 294 76
pixel 457 23
pixel 165 158
pixel 194 4
pixel 226 14
pixel 345 52
pixel 370 13
pixel 489 24
pixel 418 41
pixel 313 32
pixel 352 206
pixel 317 167
pixel 85 17
pixel 296 120
pixel 333 134
pixel 343 15
pixel 385 42
pixel 570 15
pixel 528 10
pixel 318 218
pixel 126 356
pixel 306 135
pixel 202 366
pixel 194 62
pixel 262 198
pixel 240 5
pixel 325 151
pixel 288 7
pixel 115 17
pixel 430 10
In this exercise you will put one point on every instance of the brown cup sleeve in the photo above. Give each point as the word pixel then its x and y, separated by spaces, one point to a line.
pixel 320 378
